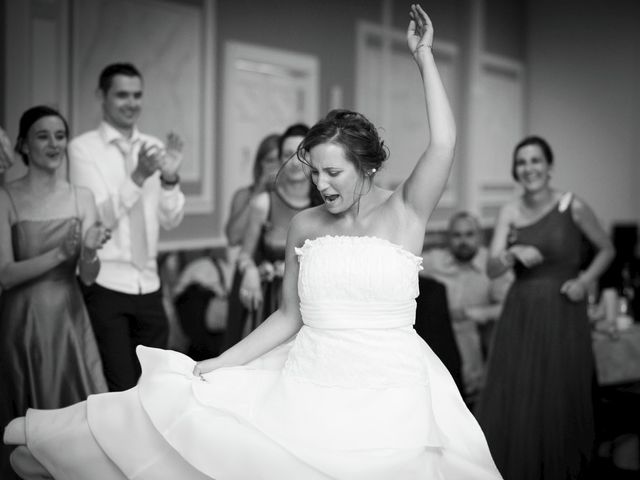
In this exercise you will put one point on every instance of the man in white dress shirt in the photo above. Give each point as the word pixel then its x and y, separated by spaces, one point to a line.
pixel 134 178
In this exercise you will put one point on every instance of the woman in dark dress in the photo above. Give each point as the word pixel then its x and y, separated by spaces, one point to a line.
pixel 48 354
pixel 257 286
pixel 536 408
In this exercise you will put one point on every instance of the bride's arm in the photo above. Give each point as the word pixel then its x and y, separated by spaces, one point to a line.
pixel 279 326
pixel 421 191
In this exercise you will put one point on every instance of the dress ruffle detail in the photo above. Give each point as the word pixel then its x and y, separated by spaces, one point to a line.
pixel 358 402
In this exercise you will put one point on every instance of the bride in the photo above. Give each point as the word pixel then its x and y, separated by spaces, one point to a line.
pixel 335 384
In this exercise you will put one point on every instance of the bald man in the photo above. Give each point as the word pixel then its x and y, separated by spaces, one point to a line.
pixel 475 301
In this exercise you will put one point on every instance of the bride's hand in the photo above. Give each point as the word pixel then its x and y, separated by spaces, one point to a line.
pixel 420 31
pixel 206 366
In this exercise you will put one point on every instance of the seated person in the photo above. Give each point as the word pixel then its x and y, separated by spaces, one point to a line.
pixel 200 299
pixel 474 299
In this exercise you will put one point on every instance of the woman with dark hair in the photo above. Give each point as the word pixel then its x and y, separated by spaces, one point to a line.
pixel 336 384
pixel 48 354
pixel 257 287
pixel 265 169
pixel 536 407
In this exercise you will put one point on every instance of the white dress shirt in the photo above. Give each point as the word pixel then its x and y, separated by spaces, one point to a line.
pixel 95 162
pixel 468 285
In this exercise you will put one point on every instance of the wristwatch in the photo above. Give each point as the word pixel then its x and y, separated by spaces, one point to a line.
pixel 169 183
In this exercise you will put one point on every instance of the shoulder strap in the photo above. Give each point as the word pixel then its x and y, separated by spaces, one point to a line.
pixel 13 205
pixel 565 201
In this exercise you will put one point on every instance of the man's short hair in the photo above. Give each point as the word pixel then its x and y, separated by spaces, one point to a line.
pixel 463 215
pixel 110 71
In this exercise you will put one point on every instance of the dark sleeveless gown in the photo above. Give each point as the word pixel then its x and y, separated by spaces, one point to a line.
pixel 271 248
pixel 48 353
pixel 536 408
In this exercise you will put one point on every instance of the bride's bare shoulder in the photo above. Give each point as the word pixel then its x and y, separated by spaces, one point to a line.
pixel 309 223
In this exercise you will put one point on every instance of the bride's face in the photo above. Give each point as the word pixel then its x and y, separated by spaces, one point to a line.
pixel 336 177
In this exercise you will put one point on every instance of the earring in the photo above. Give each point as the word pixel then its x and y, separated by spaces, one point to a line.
pixel 372 171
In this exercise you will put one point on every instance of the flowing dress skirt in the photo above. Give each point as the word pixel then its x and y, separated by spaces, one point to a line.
pixel 287 415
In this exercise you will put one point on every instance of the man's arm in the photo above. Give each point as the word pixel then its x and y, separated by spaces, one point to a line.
pixel 498 292
pixel 171 207
pixel 84 172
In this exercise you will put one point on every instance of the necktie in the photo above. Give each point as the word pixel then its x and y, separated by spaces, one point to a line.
pixel 137 224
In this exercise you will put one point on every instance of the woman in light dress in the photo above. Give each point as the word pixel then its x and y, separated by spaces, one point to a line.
pixel 336 384
pixel 48 234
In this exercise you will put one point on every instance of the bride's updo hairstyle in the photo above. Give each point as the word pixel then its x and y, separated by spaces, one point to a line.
pixel 354 133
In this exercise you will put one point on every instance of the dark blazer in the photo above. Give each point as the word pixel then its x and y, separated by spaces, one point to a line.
pixel 433 324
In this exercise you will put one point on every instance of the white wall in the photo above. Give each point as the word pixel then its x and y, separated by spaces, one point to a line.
pixel 584 87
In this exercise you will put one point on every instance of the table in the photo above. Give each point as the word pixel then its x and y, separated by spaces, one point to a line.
pixel 617 357
pixel 617 360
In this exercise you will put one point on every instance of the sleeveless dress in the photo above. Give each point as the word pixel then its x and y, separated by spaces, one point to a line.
pixel 48 354
pixel 356 394
pixel 536 407
pixel 271 249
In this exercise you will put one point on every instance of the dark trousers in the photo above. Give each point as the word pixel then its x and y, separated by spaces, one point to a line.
pixel 191 306
pixel 433 324
pixel 237 315
pixel 120 323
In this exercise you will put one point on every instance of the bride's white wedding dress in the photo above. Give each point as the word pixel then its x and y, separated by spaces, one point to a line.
pixel 356 394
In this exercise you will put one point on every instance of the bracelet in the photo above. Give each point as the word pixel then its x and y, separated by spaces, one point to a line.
pixel 244 262
pixel 169 183
pixel 423 45
pixel 507 258
pixel 93 259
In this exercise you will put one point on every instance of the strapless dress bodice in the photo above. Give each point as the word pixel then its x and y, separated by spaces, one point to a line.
pixel 357 282
pixel 355 394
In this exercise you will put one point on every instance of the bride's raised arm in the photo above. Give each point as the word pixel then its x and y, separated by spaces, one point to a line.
pixel 423 188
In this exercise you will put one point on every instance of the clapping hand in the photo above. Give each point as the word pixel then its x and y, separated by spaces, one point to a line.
pixel 266 180
pixel 96 236
pixel 171 159
pixel 420 31
pixel 71 243
pixel 148 163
